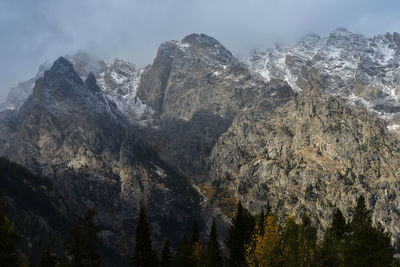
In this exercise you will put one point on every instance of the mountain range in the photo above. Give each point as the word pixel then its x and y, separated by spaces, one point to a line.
pixel 302 128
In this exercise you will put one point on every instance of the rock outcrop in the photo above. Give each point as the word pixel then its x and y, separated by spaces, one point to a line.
pixel 310 154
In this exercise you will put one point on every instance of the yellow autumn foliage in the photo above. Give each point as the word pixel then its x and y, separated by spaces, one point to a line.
pixel 197 252
pixel 262 250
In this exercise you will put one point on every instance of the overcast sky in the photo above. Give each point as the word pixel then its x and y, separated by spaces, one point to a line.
pixel 33 31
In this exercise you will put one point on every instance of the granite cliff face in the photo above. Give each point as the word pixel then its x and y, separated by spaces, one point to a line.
pixel 310 154
pixel 198 130
pixel 195 74
pixel 196 87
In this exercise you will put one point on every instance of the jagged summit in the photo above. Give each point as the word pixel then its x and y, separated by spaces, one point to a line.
pixel 340 31
pixel 360 70
pixel 204 41
pixel 62 65
pixel 195 45
pixel 61 72
pixel 61 89
pixel 208 46
pixel 202 38
pixel 190 68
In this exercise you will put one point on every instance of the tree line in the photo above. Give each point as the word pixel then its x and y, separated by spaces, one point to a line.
pixel 262 240
pixel 252 240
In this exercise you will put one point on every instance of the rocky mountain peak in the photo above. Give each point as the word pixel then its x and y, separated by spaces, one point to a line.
pixel 344 39
pixel 63 71
pixel 201 39
pixel 361 70
pixel 185 78
pixel 62 84
pixel 341 31
pixel 83 63
pixel 207 45
pixel 62 65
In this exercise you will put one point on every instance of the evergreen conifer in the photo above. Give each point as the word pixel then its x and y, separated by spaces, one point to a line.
pixel 144 255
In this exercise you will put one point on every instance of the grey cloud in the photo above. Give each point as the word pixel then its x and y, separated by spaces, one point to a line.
pixel 35 31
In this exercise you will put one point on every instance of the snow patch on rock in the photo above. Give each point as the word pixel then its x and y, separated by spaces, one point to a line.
pixel 364 71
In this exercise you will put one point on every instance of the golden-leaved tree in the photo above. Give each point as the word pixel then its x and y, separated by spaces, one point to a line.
pixel 263 249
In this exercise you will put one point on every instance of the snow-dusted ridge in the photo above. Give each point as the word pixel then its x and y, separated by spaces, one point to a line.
pixel 361 70
pixel 118 81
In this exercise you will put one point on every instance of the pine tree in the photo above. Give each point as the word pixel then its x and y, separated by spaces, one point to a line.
pixel 9 256
pixel 197 248
pixel 290 243
pixel 367 245
pixel 260 221
pixel 83 243
pixel 194 238
pixel 144 255
pixel 166 255
pixel 213 254
pixel 307 242
pixel 362 216
pixel 183 253
pixel 333 244
pixel 47 258
pixel 197 254
pixel 298 243
pixel 239 234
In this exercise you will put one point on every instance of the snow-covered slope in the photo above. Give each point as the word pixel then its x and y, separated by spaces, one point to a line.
pixel 118 82
pixel 363 71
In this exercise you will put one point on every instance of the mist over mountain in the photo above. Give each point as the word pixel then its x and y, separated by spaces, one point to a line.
pixel 43 30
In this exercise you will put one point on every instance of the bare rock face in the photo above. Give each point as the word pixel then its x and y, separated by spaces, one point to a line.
pixel 195 74
pixel 67 131
pixel 310 154
pixel 196 87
